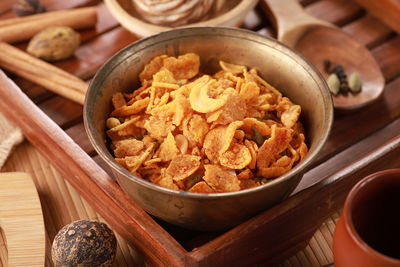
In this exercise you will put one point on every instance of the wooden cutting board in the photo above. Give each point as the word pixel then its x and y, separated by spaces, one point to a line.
pixel 22 232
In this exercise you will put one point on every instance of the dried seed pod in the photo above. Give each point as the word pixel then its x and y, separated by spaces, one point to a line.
pixel 84 243
pixel 337 69
pixel 344 87
pixel 333 83
pixel 327 65
pixel 355 82
pixel 54 43
pixel 28 7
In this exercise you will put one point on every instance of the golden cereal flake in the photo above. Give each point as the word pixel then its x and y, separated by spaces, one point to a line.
pixel 229 134
pixel 236 157
pixel 126 129
pixel 272 172
pixel 247 183
pixel 118 100
pixel 290 116
pixel 181 143
pixel 166 181
pixel 220 179
pixel 251 146
pixel 132 163
pixel 182 166
pixel 168 149
pixel 152 68
pixel 232 68
pixel 135 108
pixel 164 76
pixel 128 147
pixel 245 174
pixel 201 187
pixel 249 91
pixel 197 129
pixel 182 109
pixel 260 126
pixel 160 123
pixel 213 143
pixel 184 67
pixel 278 142
pixel 235 108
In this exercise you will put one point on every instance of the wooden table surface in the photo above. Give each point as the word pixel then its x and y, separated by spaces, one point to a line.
pixel 354 134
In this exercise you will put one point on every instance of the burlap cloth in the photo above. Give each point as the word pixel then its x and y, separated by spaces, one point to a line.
pixel 10 137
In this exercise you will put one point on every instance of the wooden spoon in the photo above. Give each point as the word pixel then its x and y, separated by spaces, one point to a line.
pixel 319 40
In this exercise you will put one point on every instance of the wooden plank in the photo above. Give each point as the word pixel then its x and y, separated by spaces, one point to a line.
pixel 21 219
pixel 338 12
pixel 5 6
pixel 62 111
pixel 388 58
pixel 368 30
pixel 78 134
pixel 386 10
pixel 104 195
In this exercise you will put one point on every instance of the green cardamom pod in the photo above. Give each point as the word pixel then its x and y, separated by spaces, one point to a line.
pixel 333 83
pixel 355 82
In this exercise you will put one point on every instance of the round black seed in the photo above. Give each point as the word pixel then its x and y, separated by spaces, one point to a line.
pixel 327 65
pixel 344 87
pixel 338 69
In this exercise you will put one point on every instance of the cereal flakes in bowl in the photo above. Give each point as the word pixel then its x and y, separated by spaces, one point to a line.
pixel 204 127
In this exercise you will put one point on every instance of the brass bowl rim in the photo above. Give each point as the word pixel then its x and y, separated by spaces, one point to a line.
pixel 115 60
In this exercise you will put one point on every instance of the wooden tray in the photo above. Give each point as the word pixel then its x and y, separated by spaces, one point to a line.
pixel 360 138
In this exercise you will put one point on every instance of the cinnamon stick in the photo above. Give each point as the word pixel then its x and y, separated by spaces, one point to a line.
pixel 22 29
pixel 42 73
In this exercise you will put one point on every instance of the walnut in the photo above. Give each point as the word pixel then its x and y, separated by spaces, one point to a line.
pixel 54 43
pixel 84 243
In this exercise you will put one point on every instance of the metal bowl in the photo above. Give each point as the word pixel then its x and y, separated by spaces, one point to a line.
pixel 278 64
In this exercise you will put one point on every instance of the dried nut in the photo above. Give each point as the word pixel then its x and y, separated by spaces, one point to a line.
pixel 54 43
pixel 84 243
pixel 355 82
pixel 333 83
pixel 201 102
pixel 112 122
pixel 28 7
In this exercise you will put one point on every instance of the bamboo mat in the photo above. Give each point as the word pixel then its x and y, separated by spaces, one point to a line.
pixel 61 205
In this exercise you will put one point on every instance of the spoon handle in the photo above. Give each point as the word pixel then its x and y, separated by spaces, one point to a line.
pixel 289 19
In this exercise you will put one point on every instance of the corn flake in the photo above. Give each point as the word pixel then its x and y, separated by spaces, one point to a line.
pixel 220 180
pixel 182 166
pixel 236 157
pixel 278 142
pixel 168 149
pixel 201 187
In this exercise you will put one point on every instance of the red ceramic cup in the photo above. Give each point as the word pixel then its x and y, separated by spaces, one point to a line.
pixel 368 232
